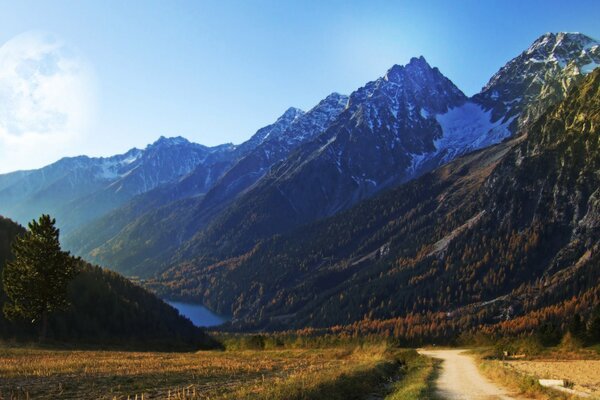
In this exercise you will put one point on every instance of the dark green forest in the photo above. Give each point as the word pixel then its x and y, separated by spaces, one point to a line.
pixel 105 309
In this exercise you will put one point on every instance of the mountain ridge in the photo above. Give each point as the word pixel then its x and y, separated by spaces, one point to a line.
pixel 508 230
pixel 467 125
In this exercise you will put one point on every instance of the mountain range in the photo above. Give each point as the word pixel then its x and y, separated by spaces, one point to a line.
pixel 405 196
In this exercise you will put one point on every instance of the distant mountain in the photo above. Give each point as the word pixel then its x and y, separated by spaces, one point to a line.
pixel 394 129
pixel 135 225
pixel 273 149
pixel 509 230
pixel 75 190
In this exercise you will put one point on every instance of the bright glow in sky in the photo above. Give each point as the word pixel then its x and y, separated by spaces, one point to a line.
pixel 47 98
pixel 216 71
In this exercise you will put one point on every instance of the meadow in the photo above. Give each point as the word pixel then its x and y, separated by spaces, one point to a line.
pixel 370 371
pixel 527 361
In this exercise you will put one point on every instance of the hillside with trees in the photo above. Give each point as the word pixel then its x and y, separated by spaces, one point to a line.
pixel 507 233
pixel 103 307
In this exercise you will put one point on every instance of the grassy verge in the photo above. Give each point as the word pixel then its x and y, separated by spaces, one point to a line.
pixel 394 375
pixel 525 385
pixel 333 385
pixel 417 379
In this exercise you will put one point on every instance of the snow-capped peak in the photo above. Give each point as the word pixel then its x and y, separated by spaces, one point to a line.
pixel 551 41
pixel 333 99
pixel 560 48
pixel 170 141
pixel 291 114
pixel 415 66
pixel 539 76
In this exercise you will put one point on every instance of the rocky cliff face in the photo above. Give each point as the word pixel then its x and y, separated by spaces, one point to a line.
pixel 540 76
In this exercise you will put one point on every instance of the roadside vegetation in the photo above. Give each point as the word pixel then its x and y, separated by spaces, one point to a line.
pixel 417 381
pixel 376 371
pixel 519 362
pixel 523 384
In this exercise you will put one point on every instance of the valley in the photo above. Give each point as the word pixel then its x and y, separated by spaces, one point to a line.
pixel 405 240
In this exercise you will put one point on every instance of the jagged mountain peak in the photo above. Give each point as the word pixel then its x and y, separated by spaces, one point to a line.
pixel 538 77
pixel 551 50
pixel 560 48
pixel 550 41
pixel 270 131
pixel 170 141
pixel 416 64
pixel 334 99
pixel 414 85
pixel 334 95
pixel 290 114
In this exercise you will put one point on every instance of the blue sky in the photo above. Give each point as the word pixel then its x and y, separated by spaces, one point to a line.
pixel 215 71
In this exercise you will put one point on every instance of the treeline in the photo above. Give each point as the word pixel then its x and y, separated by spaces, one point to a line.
pixel 105 308
pixel 556 325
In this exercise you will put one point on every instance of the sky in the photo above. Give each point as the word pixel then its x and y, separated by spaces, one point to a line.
pixel 100 77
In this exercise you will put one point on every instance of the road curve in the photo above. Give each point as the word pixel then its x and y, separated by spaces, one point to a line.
pixel 459 378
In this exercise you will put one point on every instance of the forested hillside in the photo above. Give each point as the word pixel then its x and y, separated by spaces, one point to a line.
pixel 511 230
pixel 105 308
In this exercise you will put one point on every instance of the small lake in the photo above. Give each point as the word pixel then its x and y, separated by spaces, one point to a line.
pixel 198 314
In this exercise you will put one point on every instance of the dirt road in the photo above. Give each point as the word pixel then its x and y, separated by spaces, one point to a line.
pixel 460 379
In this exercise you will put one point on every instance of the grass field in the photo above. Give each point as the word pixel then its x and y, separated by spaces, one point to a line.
pixel 584 374
pixel 335 373
pixel 581 368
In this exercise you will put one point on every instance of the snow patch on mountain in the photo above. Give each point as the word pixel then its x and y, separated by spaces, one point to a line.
pixel 469 127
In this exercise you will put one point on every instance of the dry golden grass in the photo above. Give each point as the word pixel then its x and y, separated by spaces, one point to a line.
pixel 579 366
pixel 584 374
pixel 52 374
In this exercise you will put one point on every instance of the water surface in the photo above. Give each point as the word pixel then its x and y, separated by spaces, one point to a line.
pixel 198 314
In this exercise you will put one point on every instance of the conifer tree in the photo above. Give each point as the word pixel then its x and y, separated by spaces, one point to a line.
pixel 593 328
pixel 36 281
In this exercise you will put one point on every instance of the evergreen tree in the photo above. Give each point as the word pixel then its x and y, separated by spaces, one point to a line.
pixel 576 327
pixel 593 328
pixel 36 281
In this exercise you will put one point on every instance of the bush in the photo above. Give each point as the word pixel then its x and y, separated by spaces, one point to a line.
pixel 570 342
pixel 528 346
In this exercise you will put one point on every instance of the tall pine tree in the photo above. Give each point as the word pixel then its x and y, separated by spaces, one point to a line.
pixel 36 281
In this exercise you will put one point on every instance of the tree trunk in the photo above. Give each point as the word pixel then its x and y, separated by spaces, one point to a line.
pixel 44 327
